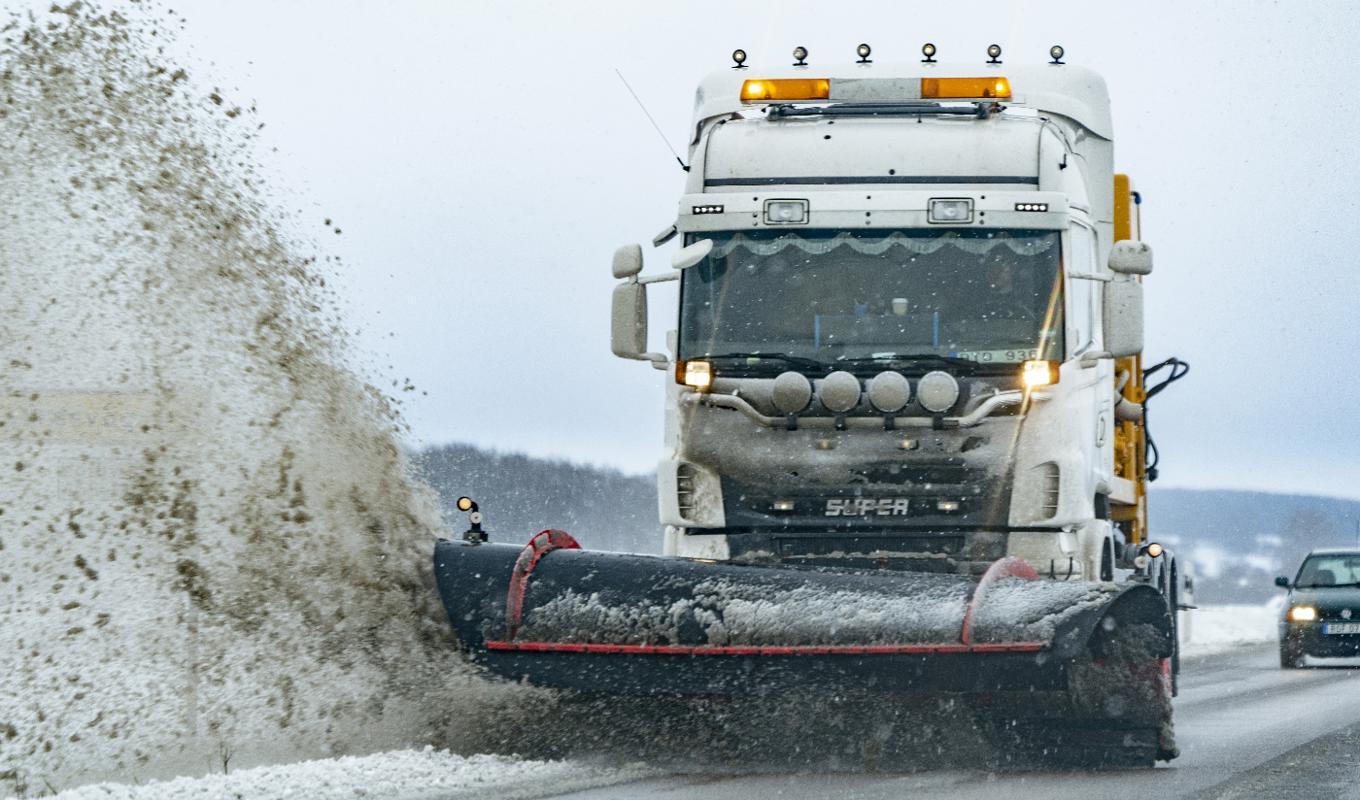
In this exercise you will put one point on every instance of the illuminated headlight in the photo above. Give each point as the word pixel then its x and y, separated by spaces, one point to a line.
pixel 947 505
pixel 786 212
pixel 1039 373
pixel 950 210
pixel 697 375
pixel 1302 614
pixel 783 505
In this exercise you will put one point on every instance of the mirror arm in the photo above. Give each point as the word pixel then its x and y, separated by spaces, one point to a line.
pixel 657 360
pixel 1089 360
pixel 665 236
pixel 673 276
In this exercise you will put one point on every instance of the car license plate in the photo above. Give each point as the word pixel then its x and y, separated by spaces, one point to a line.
pixel 1334 628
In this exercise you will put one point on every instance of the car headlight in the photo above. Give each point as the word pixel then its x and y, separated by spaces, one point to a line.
pixel 1302 614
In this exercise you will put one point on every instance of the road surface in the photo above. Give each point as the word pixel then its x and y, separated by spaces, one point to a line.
pixel 1246 729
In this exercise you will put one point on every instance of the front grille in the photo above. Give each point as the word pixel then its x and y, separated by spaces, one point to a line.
pixel 883 498
pixel 937 474
pixel 1334 615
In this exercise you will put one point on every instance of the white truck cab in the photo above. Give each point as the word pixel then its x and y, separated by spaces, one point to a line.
pixel 910 315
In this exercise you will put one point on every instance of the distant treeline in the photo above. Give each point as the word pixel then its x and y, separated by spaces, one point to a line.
pixel 1238 541
pixel 602 508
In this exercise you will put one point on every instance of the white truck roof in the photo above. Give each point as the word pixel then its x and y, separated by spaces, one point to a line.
pixel 1071 91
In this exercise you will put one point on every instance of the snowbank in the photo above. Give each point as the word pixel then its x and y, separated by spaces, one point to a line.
pixel 400 775
pixel 1214 629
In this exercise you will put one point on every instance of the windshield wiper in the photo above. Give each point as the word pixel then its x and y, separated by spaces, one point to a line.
pixel 793 361
pixel 1330 585
pixel 932 358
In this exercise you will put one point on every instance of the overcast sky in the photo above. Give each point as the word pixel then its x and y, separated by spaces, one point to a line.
pixel 483 162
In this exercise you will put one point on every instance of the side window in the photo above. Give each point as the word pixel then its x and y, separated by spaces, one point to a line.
pixel 1082 295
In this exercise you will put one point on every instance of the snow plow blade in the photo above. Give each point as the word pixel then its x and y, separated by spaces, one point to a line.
pixel 558 616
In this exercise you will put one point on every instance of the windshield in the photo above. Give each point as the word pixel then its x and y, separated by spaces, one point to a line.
pixel 984 296
pixel 1336 570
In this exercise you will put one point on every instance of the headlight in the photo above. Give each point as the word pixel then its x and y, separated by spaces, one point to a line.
pixel 1302 614
pixel 697 375
pixel 1039 373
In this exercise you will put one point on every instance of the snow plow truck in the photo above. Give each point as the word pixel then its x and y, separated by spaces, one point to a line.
pixel 906 443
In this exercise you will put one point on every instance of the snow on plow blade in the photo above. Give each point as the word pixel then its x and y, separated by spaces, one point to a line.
pixel 558 616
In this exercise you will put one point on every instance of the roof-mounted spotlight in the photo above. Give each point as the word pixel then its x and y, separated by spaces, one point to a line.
pixel 993 54
pixel 1056 53
pixel 739 56
pixel 864 50
pixel 800 56
pixel 928 50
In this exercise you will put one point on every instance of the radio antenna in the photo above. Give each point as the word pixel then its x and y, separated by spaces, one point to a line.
pixel 666 141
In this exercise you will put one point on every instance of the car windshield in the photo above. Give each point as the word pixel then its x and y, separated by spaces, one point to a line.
pixel 985 296
pixel 1332 570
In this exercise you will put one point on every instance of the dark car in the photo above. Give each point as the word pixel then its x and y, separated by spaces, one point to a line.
pixel 1322 615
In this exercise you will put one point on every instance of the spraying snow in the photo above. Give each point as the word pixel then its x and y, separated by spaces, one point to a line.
pixel 209 545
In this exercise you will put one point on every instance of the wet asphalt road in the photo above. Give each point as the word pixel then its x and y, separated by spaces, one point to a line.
pixel 1246 729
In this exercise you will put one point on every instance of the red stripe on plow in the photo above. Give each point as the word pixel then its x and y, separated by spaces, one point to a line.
pixel 764 650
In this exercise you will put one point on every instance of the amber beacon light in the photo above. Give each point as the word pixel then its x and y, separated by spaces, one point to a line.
pixel 965 88
pixel 774 89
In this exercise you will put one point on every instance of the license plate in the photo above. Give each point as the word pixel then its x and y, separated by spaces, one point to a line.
pixel 1335 628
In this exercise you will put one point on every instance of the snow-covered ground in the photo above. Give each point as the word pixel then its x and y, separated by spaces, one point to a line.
pixel 399 775
pixel 1214 629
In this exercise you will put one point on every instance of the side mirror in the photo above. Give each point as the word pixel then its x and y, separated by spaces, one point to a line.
pixel 1124 317
pixel 627 261
pixel 628 335
pixel 628 329
pixel 692 254
pixel 1282 582
pixel 1130 257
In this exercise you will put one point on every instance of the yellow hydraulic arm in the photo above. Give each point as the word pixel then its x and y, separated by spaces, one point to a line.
pixel 1130 438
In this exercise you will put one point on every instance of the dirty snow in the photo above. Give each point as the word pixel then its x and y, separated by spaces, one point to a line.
pixel 878 610
pixel 425 774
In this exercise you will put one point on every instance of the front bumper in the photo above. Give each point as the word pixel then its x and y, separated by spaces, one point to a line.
pixel 1308 639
